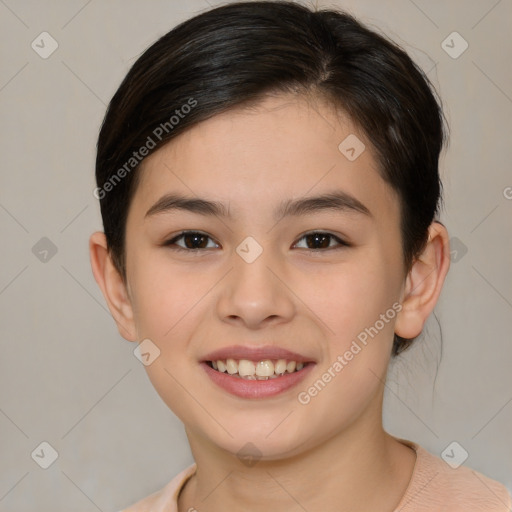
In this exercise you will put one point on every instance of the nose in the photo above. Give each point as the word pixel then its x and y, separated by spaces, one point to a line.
pixel 255 292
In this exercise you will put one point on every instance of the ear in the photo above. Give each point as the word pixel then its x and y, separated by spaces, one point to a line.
pixel 424 283
pixel 112 286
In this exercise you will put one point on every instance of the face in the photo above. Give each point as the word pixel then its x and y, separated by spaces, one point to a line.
pixel 258 277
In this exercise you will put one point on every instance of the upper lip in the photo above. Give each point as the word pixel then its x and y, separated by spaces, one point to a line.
pixel 255 354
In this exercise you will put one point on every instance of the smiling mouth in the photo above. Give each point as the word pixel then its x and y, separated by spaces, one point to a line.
pixel 266 369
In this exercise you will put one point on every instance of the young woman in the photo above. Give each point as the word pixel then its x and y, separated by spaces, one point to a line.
pixel 269 187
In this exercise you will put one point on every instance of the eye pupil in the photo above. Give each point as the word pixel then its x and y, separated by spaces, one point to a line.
pixel 194 236
pixel 317 236
pixel 194 241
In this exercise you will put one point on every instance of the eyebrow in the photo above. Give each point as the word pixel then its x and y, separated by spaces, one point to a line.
pixel 338 200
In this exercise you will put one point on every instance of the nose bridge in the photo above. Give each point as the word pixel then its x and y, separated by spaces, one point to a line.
pixel 252 260
pixel 254 292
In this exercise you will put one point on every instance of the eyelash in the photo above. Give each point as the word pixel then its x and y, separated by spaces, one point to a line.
pixel 171 243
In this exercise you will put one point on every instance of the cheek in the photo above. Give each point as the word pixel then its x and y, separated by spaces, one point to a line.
pixel 166 304
pixel 351 300
pixel 350 379
pixel 359 306
pixel 164 295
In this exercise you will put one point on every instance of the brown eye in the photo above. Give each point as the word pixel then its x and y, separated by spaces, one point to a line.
pixel 320 240
pixel 193 240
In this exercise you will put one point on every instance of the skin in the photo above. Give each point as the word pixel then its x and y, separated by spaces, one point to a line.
pixel 314 302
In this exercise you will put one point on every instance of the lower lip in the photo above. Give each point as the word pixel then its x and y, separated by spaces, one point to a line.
pixel 256 388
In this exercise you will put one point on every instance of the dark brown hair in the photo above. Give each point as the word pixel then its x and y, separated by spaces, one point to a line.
pixel 233 55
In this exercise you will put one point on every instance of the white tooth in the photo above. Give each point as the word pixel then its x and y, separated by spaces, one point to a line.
pixel 246 367
pixel 221 366
pixel 249 377
pixel 280 366
pixel 274 376
pixel 299 366
pixel 231 366
pixel 265 368
pixel 262 377
pixel 214 364
pixel 290 367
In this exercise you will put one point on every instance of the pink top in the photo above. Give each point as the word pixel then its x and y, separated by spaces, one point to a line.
pixel 434 487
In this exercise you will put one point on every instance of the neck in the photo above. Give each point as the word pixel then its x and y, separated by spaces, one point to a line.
pixel 362 468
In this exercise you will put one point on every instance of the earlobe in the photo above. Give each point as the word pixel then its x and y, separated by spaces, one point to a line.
pixel 112 286
pixel 424 283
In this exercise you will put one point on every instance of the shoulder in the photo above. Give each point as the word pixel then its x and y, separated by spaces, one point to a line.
pixel 165 499
pixel 436 485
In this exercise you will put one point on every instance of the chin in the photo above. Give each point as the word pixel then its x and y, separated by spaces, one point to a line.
pixel 267 440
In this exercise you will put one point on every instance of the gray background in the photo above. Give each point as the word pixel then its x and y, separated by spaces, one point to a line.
pixel 68 378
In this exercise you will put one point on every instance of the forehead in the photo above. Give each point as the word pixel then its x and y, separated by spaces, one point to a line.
pixel 285 146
